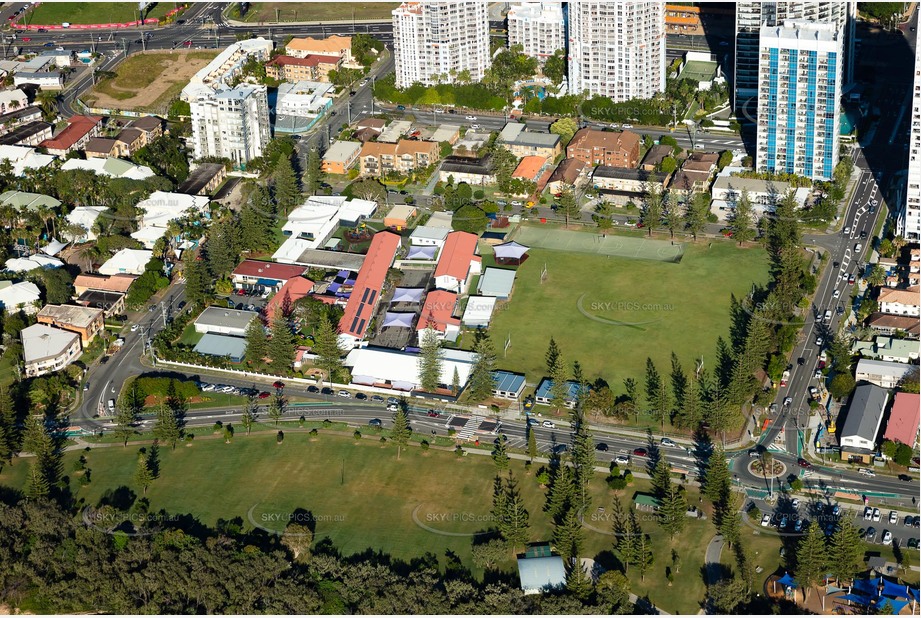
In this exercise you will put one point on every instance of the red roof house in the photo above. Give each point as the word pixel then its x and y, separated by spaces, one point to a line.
pixel 904 419
pixel 78 132
pixel 458 262
pixel 293 289
pixel 267 274
pixel 366 293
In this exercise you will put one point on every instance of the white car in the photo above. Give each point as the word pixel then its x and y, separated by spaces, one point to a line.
pixel 345 394
pixel 626 126
pixel 765 520
pixel 134 328
pixel 668 442
pixel 868 513
pixel 622 460
pixel 847 230
pixel 548 424
pixel 615 125
pixel 471 118
pixel 887 538
pixel 876 514
pixel 893 517
pixel 517 203
pixel 392 407
pixel 837 294
pixel 474 126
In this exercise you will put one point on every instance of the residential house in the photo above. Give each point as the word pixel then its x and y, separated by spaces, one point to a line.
pixel 621 184
pixel 250 274
pixel 900 302
pixel 340 156
pixel 882 373
pixel 129 141
pixel 529 168
pixel 891 324
pixel 44 80
pixel 118 283
pixel 233 348
pixel 904 419
pixel 111 167
pixel 366 293
pixel 204 180
pixel 728 187
pixel 14 118
pixel 887 349
pixel 150 126
pixel 309 68
pixel 111 303
pixel 23 158
pixel 438 312
pixel 457 263
pixel 567 174
pixel 11 100
pixel 100 147
pixel 614 149
pixel 378 159
pixel 293 290
pixel 400 216
pixel 311 225
pixel 33 202
pixel 857 436
pixel 23 296
pixel 695 172
pixel 224 321
pixel 394 132
pixel 654 157
pixel 79 130
pixel 127 261
pixel 85 321
pixel 46 349
pixel 472 170
pixel 334 45
pixel 427 236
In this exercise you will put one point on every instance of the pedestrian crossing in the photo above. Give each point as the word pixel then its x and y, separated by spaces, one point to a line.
pixel 467 431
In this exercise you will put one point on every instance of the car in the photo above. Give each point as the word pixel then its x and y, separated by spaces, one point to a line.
pixel 835 510
pixel 917 522
pixel 278 384
pixel 820 341
pixel 724 43
pixel 86 387
pixel 626 126
pixel 870 534
pixel 622 460
pixel 640 452
pixel 548 425
pixel 851 279
pixel 866 472
pixel 134 328
pixel 377 399
pixel 754 452
pixel 908 521
pixel 893 517
pixel 432 413
pixel 615 125
pixel 837 294
pixel 668 442
pixel 601 446
pixel 773 408
pixel 839 310
pixel 151 308
pixel 784 521
pixel 360 396
pixel 393 400
pixel 263 395
pixel 58 49
pixel 868 513
pixel 858 247
pixel 181 305
pixel 48 45
pixel 801 361
pixel 326 391
pixel 26 39
pixel 517 203
pixel 887 538
pixel 471 117
pixel 344 394
pixel 787 401
pixel 904 477
pixel 313 389
pixel 795 503
pixel 392 407
pixel 375 422
pixel 913 542
pixel 474 126
pixel 876 514
pixel 798 525
pixel 872 210
pixel 847 230
pixel 803 463
pixel 863 233
pixel 765 520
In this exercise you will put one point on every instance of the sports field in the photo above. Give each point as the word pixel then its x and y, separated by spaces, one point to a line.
pixel 360 496
pixel 318 11
pixel 635 247
pixel 699 71
pixel 610 313
pixel 56 13
pixel 149 81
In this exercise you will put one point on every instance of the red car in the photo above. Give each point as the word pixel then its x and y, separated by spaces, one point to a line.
pixel 241 292
pixel 263 395
pixel 26 39
pixel 640 452
pixel 279 385
pixel 803 463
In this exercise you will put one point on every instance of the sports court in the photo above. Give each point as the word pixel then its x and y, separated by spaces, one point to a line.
pixel 583 242
pixel 699 71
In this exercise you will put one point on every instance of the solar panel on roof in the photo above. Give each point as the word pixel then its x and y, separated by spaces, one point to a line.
pixel 354 328
pixel 361 326
pixel 364 297
pixel 373 296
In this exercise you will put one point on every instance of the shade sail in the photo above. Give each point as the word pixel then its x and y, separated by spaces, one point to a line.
pixel 407 295
pixel 398 320
pixel 54 247
pixel 510 250
pixel 421 253
pixel 787 580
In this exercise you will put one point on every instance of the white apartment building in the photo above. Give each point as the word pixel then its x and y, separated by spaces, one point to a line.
pixel 435 41
pixel 752 15
pixel 909 221
pixel 800 73
pixel 617 49
pixel 229 120
pixel 539 27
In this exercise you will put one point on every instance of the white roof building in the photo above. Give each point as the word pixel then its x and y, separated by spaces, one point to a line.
pixel 162 207
pixel 85 217
pixel 303 98
pixel 478 311
pixel 109 166
pixel 309 226
pixel 20 296
pixel 46 349
pixel 427 236
pixel 400 370
pixel 127 261
pixel 11 100
pixel 23 158
pixel 32 262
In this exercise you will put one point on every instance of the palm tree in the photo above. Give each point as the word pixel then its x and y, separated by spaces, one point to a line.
pixel 85 254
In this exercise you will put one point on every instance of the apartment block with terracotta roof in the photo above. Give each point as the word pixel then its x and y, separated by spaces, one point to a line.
pixel 312 68
pixel 379 158
pixel 340 46
pixel 900 302
pixel 605 148
pixel 79 130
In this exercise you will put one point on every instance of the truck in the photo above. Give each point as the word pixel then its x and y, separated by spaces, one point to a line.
pixel 784 378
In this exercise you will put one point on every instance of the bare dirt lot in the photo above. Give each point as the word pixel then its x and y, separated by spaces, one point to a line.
pixel 148 82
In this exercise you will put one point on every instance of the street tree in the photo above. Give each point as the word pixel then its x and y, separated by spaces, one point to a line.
pixel 249 414
pixel 480 383
pixel 256 343
pixel 671 214
pixel 281 345
pixel 313 172
pixel 400 432
pixel 431 359
pixel 742 221
pixel 845 551
pixel 651 215
pixel 500 454
pixel 328 348
pixel 559 388
pixel 569 205
pixel 125 420
pixel 811 559
pixel 276 408
pixel 166 428
pixel 287 194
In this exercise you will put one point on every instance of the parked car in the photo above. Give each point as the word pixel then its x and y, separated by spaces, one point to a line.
pixel 344 394
pixel 377 399
pixel 887 538
pixel 819 341
pixel 870 535
pixel 471 117
pixel 548 425
pixel 265 395
pixel 835 510
pixel 326 391
pixel 868 513
pixel 893 517
pixel 313 389
pixel 765 520
pixel 784 521
pixel 876 514
pixel 278 384
pixel 360 396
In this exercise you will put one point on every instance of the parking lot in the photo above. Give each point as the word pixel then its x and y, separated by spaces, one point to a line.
pixel 793 516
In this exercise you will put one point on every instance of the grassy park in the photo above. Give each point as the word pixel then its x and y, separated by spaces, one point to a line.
pixel 361 496
pixel 55 13
pixel 611 312
pixel 317 11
